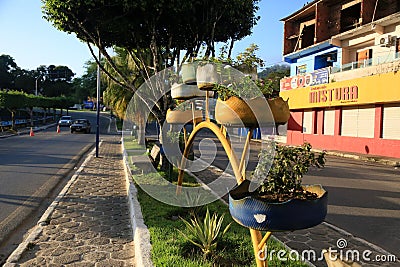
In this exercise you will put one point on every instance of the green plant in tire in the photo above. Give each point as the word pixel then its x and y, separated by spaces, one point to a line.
pixel 205 233
pixel 281 173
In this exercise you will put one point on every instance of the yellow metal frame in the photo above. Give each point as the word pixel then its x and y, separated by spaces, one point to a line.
pixel 239 170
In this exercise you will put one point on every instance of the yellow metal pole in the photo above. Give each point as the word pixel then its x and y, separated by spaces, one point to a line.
pixel 256 238
pixel 242 168
pixel 225 144
pixel 207 115
pixel 264 240
pixel 238 170
pixel 185 137
pixel 194 121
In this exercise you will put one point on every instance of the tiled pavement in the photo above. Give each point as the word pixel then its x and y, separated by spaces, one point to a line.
pixel 90 224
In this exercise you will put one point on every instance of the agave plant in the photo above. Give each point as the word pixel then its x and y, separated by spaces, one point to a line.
pixel 205 234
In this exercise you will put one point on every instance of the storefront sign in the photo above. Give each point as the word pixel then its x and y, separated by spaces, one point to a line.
pixel 383 88
pixel 317 77
pixel 341 94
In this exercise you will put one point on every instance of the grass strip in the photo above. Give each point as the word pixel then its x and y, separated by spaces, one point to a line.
pixel 170 248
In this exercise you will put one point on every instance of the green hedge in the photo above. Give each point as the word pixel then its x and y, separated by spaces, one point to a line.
pixel 16 99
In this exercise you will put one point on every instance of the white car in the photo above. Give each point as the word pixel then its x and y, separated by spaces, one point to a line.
pixel 65 121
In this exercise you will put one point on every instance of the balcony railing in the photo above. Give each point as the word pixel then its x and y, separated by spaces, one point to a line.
pixel 367 62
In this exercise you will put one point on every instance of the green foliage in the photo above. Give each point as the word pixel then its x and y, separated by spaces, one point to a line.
pixel 12 99
pixel 8 69
pixel 287 167
pixel 270 79
pixel 249 58
pixel 205 234
pixel 244 88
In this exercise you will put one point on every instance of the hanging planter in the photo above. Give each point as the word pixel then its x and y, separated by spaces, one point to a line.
pixel 206 76
pixel 189 73
pixel 281 202
pixel 183 116
pixel 294 214
pixel 185 91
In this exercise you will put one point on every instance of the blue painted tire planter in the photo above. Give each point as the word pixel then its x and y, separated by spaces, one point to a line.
pixel 294 214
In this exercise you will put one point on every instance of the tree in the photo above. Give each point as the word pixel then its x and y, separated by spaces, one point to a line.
pixel 86 86
pixel 25 80
pixel 160 28
pixel 54 80
pixel 8 69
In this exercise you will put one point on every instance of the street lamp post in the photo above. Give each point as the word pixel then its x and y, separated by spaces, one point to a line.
pixel 98 108
pixel 36 84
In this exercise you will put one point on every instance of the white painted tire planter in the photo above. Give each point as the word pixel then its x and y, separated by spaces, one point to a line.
pixel 206 76
pixel 189 73
pixel 185 91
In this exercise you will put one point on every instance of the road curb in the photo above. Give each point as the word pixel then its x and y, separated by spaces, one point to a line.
pixel 393 162
pixel 43 221
pixel 34 129
pixel 141 234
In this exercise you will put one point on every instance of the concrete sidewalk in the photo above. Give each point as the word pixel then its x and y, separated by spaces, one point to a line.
pixel 89 223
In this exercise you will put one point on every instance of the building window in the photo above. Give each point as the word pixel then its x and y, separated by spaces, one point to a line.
pixel 358 121
pixel 391 122
pixel 364 58
pixel 350 16
pixel 329 121
pixel 307 122
pixel 325 60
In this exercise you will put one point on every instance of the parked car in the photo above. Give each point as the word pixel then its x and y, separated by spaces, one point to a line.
pixel 80 125
pixel 65 121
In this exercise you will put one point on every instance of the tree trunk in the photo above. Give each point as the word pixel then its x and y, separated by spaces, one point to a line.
pixel 141 133
pixel 13 126
pixel 31 115
pixel 44 115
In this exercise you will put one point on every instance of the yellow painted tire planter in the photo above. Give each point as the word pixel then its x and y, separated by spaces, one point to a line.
pixel 234 112
pixel 280 109
pixel 237 112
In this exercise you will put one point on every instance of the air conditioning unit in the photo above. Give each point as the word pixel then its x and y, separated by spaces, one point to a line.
pixel 387 40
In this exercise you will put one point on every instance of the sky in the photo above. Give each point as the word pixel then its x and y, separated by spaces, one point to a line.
pixel 32 41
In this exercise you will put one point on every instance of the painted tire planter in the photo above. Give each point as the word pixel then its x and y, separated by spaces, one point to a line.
pixel 234 112
pixel 183 116
pixel 280 109
pixel 237 112
pixel 206 76
pixel 185 91
pixel 189 73
pixel 291 215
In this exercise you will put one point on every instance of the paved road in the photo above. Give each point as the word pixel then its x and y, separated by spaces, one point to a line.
pixel 31 166
pixel 364 197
